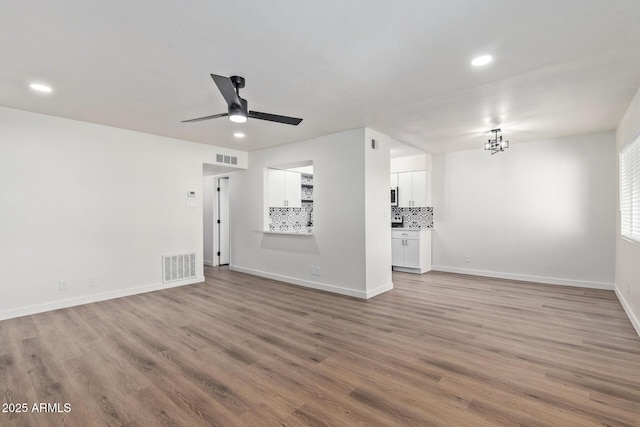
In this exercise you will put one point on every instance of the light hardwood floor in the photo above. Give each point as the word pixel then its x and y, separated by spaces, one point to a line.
pixel 440 349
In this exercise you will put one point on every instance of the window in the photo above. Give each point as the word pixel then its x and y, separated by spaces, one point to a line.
pixel 288 198
pixel 630 191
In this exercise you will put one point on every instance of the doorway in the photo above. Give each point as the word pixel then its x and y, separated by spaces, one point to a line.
pixel 223 221
pixel 216 220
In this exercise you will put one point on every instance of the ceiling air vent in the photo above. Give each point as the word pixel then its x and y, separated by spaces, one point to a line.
pixel 230 160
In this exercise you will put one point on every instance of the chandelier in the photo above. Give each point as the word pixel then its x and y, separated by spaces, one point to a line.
pixel 496 144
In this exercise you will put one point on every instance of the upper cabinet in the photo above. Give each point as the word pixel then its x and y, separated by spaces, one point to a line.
pixel 284 189
pixel 394 180
pixel 412 189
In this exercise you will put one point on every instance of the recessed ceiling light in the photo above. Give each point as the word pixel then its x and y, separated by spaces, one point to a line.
pixel 481 60
pixel 40 87
pixel 239 135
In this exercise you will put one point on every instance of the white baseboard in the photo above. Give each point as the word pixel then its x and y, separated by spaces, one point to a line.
pixel 379 290
pixel 305 283
pixel 421 270
pixel 627 308
pixel 526 278
pixel 71 302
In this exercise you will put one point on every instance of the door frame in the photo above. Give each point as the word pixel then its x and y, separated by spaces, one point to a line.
pixel 218 224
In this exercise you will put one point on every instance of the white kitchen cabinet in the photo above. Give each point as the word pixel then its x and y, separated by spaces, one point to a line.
pixel 285 189
pixel 394 180
pixel 412 189
pixel 397 251
pixel 411 250
pixel 293 189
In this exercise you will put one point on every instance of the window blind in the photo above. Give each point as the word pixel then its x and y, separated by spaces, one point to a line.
pixel 630 191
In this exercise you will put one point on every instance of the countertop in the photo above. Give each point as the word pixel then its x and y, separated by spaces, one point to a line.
pixel 409 229
pixel 291 233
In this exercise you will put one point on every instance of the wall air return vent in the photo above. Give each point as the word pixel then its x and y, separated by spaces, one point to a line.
pixel 178 267
pixel 229 160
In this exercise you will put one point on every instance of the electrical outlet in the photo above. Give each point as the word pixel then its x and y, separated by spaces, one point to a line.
pixel 63 285
pixel 315 271
pixel 95 282
pixel 467 258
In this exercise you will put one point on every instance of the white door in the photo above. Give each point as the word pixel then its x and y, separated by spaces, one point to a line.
pixel 394 180
pixel 405 189
pixel 293 189
pixel 223 225
pixel 397 252
pixel 277 197
pixel 412 253
pixel 419 188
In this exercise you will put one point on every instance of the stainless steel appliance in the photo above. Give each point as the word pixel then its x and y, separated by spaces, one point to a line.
pixel 394 196
pixel 396 220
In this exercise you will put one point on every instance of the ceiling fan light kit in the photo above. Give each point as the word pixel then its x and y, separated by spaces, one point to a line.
pixel 237 115
pixel 238 108
pixel 496 144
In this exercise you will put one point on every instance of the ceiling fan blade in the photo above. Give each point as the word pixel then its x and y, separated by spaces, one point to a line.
pixel 199 119
pixel 274 118
pixel 227 89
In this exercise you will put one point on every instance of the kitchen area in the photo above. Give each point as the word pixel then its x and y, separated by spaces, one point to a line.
pixel 411 213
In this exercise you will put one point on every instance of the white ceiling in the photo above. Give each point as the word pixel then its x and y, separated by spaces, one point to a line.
pixel 561 67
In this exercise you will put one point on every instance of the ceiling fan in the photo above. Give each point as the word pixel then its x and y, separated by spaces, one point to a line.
pixel 238 108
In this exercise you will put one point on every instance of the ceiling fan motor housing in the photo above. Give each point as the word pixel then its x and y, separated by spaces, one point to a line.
pixel 237 81
pixel 243 107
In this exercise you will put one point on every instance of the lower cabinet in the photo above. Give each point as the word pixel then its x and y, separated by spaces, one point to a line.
pixel 411 250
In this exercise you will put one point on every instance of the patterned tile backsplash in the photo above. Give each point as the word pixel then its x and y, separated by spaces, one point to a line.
pixel 306 178
pixel 307 193
pixel 291 219
pixel 414 217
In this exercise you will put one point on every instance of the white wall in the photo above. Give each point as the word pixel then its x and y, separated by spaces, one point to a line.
pixel 628 253
pixel 540 211
pixel 80 200
pixel 377 214
pixel 417 162
pixel 339 244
